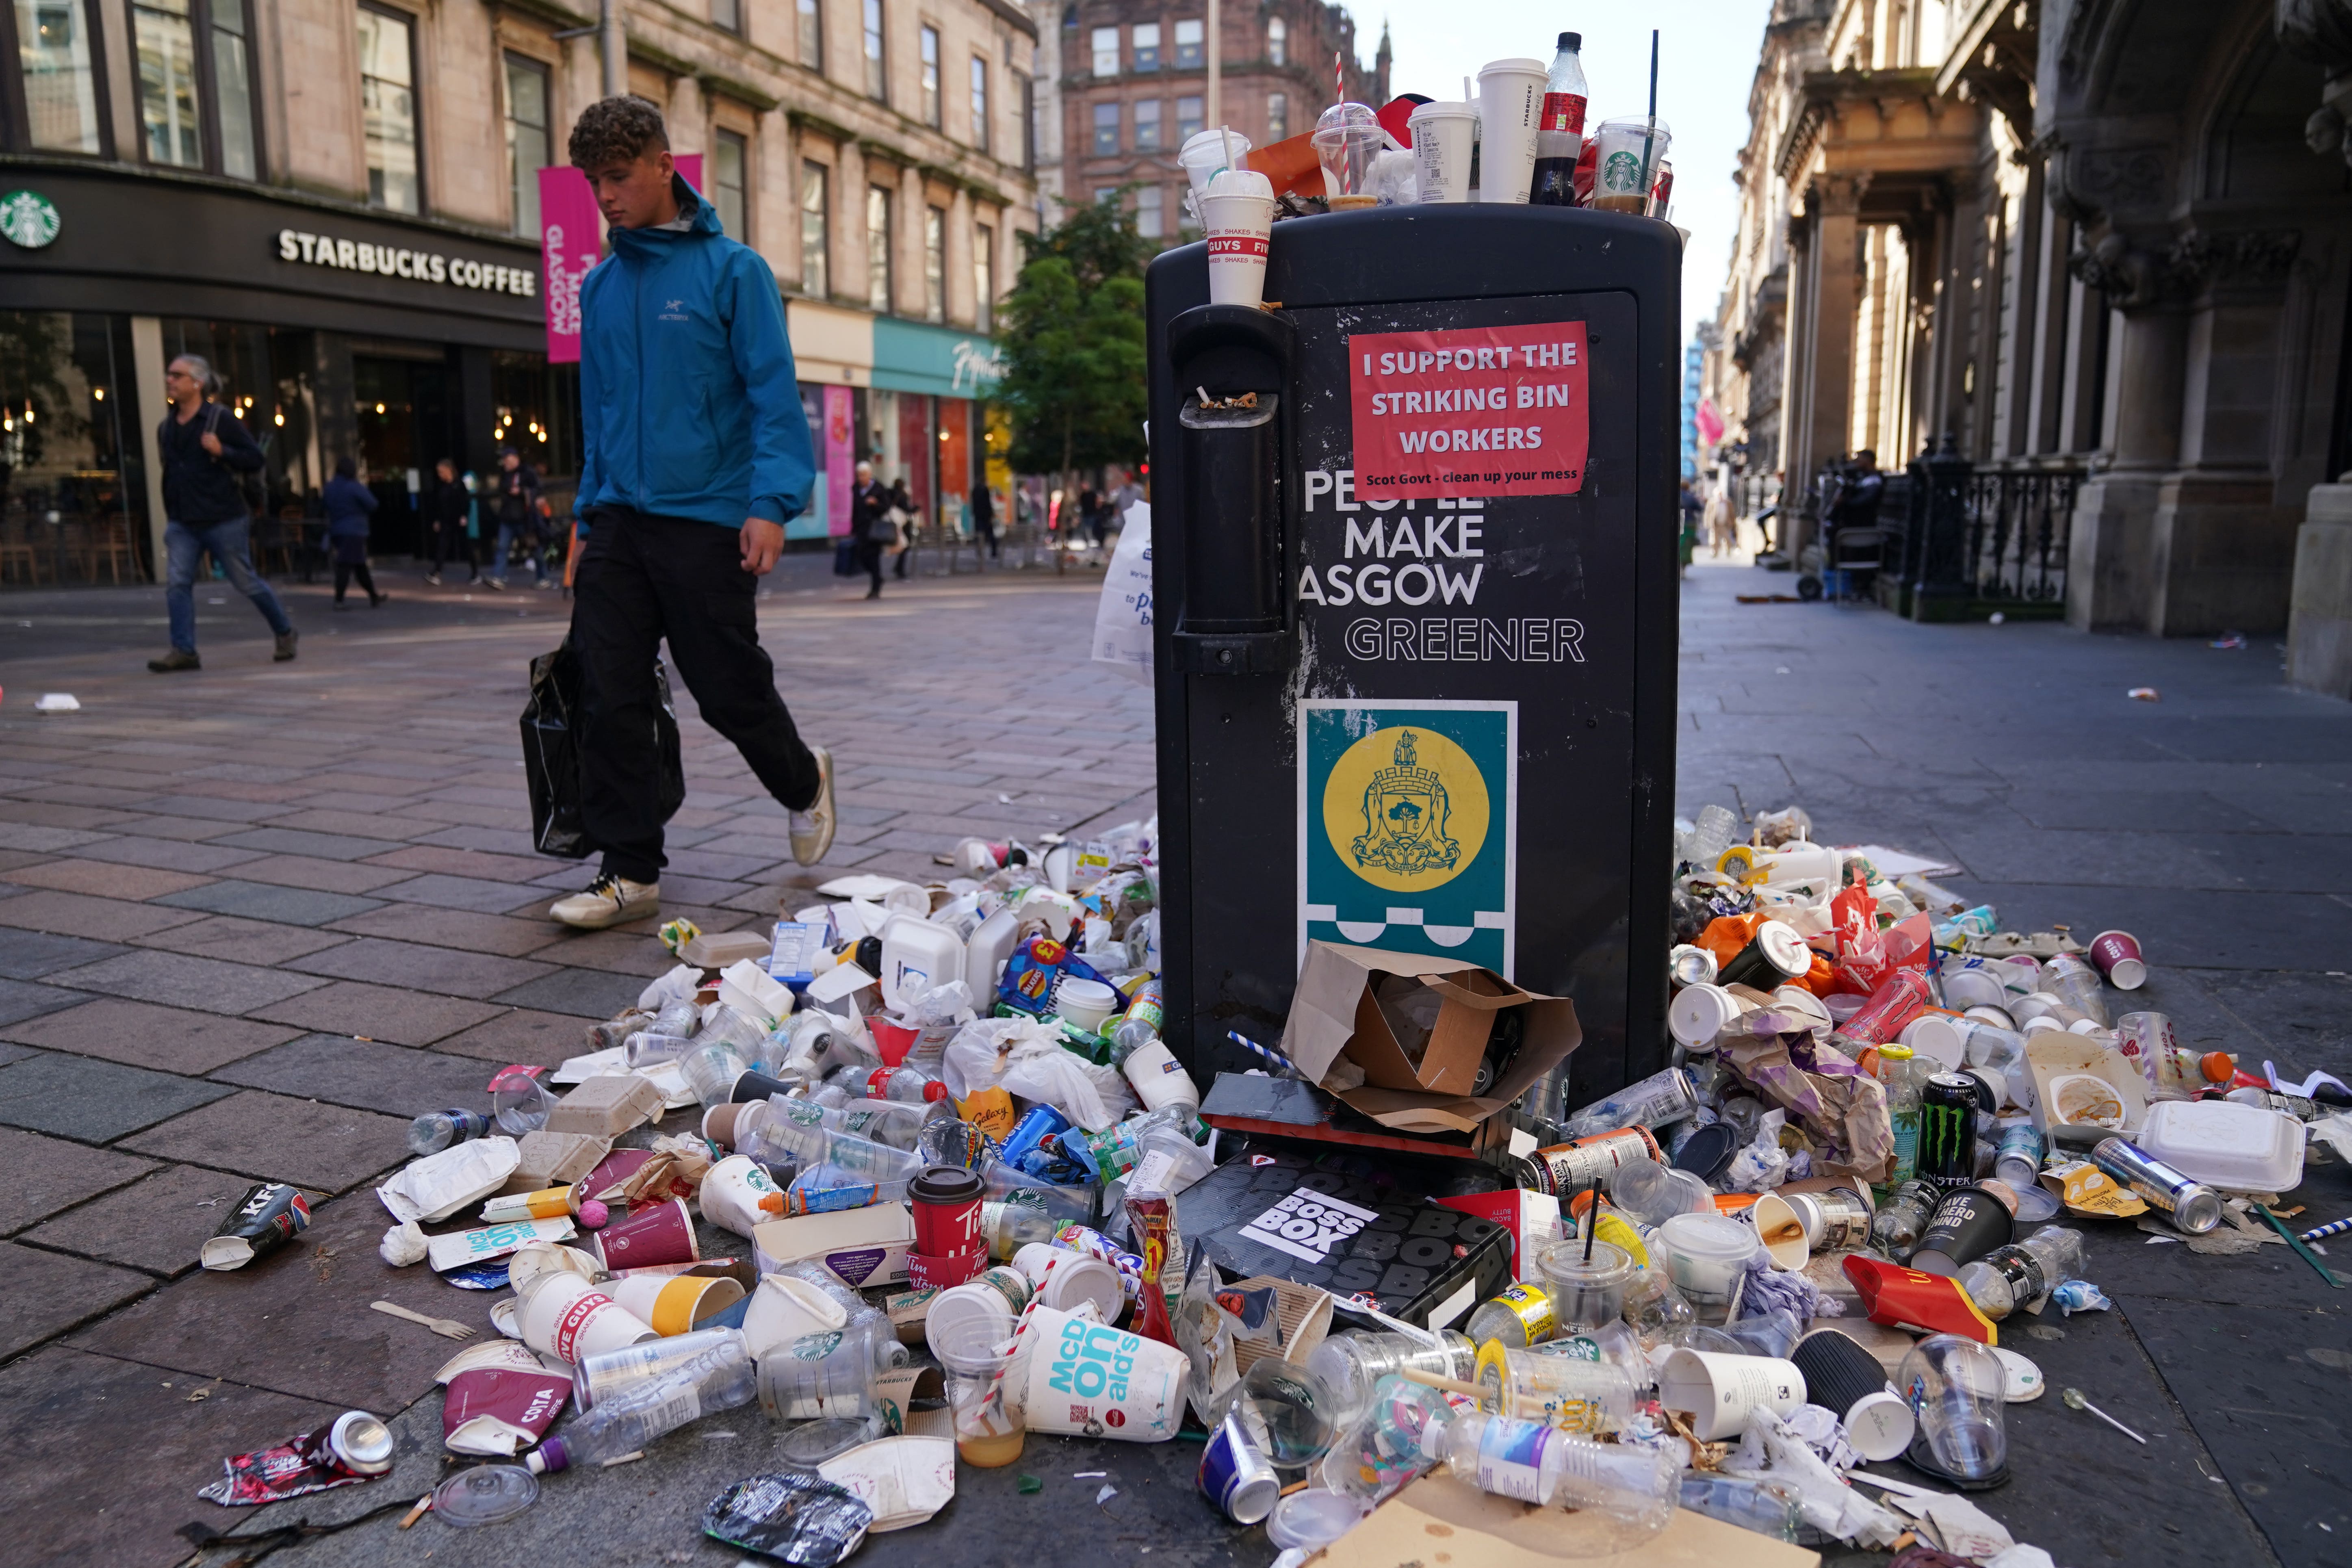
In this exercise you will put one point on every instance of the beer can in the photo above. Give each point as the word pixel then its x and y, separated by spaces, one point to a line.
pixel 270 1215
pixel 1566 1169
pixel 1947 1128
pixel 2192 1206
pixel 1236 1475
pixel 1690 966
pixel 360 1443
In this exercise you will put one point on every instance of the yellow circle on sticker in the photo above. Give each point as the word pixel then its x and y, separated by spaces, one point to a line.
pixel 1405 809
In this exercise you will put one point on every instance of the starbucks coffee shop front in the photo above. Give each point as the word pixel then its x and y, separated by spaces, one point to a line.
pixel 336 331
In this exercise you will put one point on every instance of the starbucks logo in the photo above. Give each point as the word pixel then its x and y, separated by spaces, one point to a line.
pixel 1622 172
pixel 29 218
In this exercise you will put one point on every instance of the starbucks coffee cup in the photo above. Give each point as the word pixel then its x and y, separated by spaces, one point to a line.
pixel 1510 103
pixel 731 1191
pixel 787 1308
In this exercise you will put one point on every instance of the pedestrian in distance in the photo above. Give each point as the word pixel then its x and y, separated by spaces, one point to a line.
pixel 519 512
pixel 903 518
pixel 695 454
pixel 448 518
pixel 870 525
pixel 206 457
pixel 350 506
pixel 984 517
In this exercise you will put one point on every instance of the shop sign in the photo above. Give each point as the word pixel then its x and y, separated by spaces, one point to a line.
pixel 28 218
pixel 397 261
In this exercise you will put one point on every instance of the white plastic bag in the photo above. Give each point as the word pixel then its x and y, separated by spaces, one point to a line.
pixel 1123 618
pixel 1025 1059
pixel 439 1186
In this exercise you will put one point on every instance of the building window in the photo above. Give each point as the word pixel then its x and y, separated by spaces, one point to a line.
pixel 526 139
pixel 1147 125
pixel 1278 116
pixel 55 51
pixel 1147 212
pixel 233 88
pixel 388 109
pixel 877 248
pixel 1106 194
pixel 1277 42
pixel 1106 129
pixel 983 276
pixel 877 85
pixel 169 108
pixel 930 60
pixel 811 35
pixel 1146 41
pixel 1188 46
pixel 935 264
pixel 816 278
pixel 727 16
pixel 980 104
pixel 729 157
pixel 1188 119
pixel 1105 51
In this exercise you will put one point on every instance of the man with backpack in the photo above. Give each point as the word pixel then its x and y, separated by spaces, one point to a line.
pixel 695 454
pixel 208 460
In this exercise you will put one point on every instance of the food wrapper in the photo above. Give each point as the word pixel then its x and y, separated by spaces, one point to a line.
pixel 2085 1189
pixel 793 1516
pixel 1841 1108
pixel 439 1186
pixel 295 1468
pixel 680 1162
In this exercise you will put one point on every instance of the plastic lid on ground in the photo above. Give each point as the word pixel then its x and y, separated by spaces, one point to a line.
pixel 1312 1520
pixel 487 1494
pixel 812 1443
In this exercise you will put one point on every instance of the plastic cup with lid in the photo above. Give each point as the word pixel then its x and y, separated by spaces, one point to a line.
pixel 1205 152
pixel 1585 1293
pixel 1346 138
pixel 1626 163
pixel 1650 1194
pixel 1444 135
pixel 1707 1256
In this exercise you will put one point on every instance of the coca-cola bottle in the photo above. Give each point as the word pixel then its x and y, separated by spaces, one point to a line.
pixel 1560 135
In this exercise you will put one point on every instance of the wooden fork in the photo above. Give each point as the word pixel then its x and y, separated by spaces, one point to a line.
pixel 448 1328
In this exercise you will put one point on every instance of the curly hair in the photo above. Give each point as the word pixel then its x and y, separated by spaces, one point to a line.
pixel 617 130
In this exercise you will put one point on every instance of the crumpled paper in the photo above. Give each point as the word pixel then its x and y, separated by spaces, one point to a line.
pixel 680 1162
pixel 1771 1447
pixel 403 1245
pixel 1841 1108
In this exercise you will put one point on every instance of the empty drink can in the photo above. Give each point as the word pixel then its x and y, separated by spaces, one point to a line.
pixel 2192 1206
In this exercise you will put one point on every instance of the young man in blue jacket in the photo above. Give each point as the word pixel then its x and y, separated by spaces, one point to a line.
pixel 695 453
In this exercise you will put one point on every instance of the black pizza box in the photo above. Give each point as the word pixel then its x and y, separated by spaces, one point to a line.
pixel 1368 1238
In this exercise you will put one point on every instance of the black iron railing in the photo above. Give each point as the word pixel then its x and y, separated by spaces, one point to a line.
pixel 2017 522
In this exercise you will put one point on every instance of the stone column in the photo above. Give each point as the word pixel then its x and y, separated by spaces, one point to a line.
pixel 961 285
pixel 1818 422
pixel 907 280
pixel 2111 568
pixel 847 221
pixel 2319 621
pixel 688 118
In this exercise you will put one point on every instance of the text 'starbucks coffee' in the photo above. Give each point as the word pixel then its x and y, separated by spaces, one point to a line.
pixel 1947 1128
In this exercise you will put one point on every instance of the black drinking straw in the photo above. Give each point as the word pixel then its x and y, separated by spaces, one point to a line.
pixel 1648 137
pixel 1592 1215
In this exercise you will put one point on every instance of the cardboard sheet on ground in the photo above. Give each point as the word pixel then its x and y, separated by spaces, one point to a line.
pixel 1438 1517
pixel 1334 1013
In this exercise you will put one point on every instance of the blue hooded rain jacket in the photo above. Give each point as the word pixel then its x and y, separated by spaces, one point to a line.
pixel 689 403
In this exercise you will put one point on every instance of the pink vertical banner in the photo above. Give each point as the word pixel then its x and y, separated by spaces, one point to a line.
pixel 571 241
pixel 840 476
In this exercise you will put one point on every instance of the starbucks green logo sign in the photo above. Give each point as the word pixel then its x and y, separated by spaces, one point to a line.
pixel 29 218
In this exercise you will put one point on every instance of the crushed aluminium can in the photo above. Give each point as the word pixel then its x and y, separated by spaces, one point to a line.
pixel 270 1215
pixel 357 1446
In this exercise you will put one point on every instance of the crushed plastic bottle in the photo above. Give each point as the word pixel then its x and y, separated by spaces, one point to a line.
pixel 438 1130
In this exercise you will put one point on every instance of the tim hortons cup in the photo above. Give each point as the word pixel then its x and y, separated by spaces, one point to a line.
pixel 567 1317
pixel 677 1305
pixel 1087 1379
pixel 1238 215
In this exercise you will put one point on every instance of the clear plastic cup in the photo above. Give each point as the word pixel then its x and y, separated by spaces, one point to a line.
pixel 1288 1410
pixel 1586 1397
pixel 1655 1308
pixel 712 1070
pixel 1203 153
pixel 1955 1388
pixel 1706 1256
pixel 1626 163
pixel 1650 1194
pixel 1348 138
pixel 987 1434
pixel 1351 1365
pixel 2074 982
pixel 1585 1293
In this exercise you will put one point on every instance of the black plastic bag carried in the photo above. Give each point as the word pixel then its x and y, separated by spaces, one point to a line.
pixel 551 752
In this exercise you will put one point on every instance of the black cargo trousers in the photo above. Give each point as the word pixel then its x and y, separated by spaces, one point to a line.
pixel 640 579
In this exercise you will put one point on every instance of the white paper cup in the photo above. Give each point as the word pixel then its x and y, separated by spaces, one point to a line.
pixel 1782 1229
pixel 1081 1378
pixel 1159 1078
pixel 1237 219
pixel 786 1308
pixel 731 1191
pixel 1085 1003
pixel 567 1317
pixel 1510 102
pixel 677 1305
pixel 1065 1278
pixel 1443 136
pixel 1698 1014
pixel 994 1298
pixel 1719 1392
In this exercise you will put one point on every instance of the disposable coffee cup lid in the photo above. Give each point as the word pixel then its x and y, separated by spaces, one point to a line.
pixel 1434 111
pixel 1880 1425
pixel 2020 1379
pixel 1784 949
pixel 1519 63
pixel 1709 1151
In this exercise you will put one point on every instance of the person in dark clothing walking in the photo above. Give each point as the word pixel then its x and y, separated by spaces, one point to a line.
pixel 902 506
pixel 695 454
pixel 518 518
pixel 206 450
pixel 984 517
pixel 870 525
pixel 446 515
pixel 349 505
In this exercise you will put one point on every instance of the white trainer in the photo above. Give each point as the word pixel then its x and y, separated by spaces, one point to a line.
pixel 812 830
pixel 608 902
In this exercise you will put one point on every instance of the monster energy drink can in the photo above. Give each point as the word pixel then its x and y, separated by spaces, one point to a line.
pixel 1947 1128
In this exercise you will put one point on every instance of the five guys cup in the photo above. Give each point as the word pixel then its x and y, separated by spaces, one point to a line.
pixel 1237 215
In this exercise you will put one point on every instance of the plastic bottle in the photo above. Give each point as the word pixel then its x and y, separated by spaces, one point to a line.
pixel 906 1085
pixel 645 1048
pixel 1387 1445
pixel 438 1130
pixel 1716 831
pixel 1902 1219
pixel 1896 1071
pixel 720 1378
pixel 1354 1363
pixel 797 1135
pixel 1767 1507
pixel 1634 1488
pixel 1560 135
pixel 2015 1276
pixel 1519 1315
pixel 1010 1226
pixel 893 1122
pixel 1662 1098
pixel 1139 1026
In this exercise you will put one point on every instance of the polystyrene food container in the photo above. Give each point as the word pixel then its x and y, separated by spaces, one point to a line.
pixel 2238 1148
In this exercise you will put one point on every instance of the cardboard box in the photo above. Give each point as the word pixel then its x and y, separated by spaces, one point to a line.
pixel 860 1246
pixel 606 1107
pixel 1531 1218
pixel 1438 1515
pixel 1336 1013
pixel 2053 1053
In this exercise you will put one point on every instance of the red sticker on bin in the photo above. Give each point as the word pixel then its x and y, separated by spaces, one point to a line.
pixel 1478 411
